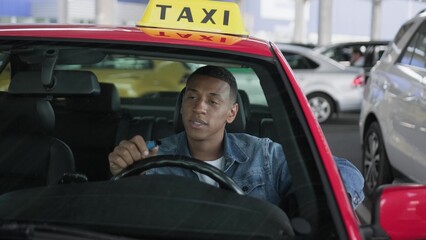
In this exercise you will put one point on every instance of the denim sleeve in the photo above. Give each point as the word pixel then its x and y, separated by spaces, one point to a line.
pixel 352 179
pixel 280 169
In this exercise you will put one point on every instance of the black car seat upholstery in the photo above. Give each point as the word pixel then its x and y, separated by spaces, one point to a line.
pixel 252 126
pixel 29 154
pixel 155 122
pixel 267 129
pixel 90 126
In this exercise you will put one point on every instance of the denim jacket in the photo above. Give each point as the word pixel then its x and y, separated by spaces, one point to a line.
pixel 258 166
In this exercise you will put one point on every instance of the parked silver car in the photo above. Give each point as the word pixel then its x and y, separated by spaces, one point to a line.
pixel 393 117
pixel 329 86
pixel 342 52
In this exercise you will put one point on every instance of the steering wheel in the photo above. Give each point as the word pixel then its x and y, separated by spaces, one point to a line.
pixel 190 163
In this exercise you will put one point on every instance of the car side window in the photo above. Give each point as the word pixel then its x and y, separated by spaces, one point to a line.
pixel 4 72
pixel 334 53
pixel 346 53
pixel 402 31
pixel 248 81
pixel 297 61
pixel 415 52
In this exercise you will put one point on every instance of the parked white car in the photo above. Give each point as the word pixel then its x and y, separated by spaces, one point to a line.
pixel 329 86
pixel 393 117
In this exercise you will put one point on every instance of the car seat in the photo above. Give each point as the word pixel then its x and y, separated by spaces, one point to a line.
pixel 90 125
pixel 267 129
pixel 29 155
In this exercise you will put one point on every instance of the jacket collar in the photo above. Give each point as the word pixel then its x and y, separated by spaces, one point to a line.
pixel 233 149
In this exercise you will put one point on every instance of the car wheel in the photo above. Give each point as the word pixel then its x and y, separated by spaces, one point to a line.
pixel 322 106
pixel 376 167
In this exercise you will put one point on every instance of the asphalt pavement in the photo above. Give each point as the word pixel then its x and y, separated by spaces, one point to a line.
pixel 342 135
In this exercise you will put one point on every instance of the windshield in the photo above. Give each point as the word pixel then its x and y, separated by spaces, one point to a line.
pixel 65 107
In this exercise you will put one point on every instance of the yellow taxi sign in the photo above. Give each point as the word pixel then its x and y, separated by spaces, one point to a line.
pixel 198 15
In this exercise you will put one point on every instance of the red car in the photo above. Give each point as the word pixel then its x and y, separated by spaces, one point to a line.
pixel 60 121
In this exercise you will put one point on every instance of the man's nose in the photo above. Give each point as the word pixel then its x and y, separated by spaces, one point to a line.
pixel 200 105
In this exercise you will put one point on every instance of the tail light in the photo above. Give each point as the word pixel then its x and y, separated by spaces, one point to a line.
pixel 359 81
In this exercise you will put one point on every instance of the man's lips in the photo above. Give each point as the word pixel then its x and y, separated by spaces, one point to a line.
pixel 197 123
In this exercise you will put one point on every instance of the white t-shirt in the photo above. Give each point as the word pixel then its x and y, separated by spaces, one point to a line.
pixel 218 163
pixel 359 62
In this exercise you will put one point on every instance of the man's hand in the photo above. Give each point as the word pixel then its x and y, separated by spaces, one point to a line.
pixel 128 152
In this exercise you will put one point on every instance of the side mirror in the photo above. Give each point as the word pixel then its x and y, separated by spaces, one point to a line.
pixel 399 212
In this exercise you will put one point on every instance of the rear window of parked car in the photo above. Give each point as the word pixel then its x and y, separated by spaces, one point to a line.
pixel 415 53
pixel 297 61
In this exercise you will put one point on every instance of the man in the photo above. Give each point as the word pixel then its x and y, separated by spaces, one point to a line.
pixel 357 59
pixel 258 165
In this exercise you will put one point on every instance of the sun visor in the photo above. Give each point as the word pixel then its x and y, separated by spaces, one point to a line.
pixel 64 83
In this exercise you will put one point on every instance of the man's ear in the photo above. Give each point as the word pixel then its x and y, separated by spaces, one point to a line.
pixel 232 113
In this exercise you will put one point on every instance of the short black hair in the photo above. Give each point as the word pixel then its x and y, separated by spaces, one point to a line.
pixel 357 50
pixel 219 73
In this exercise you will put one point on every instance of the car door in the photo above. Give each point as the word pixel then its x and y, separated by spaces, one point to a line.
pixel 408 112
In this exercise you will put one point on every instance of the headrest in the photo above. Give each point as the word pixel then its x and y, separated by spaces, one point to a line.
pixel 25 115
pixel 107 101
pixel 238 125
pixel 246 102
pixel 64 82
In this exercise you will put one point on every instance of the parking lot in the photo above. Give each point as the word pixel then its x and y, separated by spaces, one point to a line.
pixel 343 137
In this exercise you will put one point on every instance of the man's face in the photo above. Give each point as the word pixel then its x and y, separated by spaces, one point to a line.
pixel 355 55
pixel 206 108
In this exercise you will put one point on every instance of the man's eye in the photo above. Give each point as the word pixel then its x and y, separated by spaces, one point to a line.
pixel 214 102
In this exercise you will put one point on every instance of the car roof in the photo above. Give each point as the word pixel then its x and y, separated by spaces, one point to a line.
pixel 311 53
pixel 297 48
pixel 354 43
pixel 242 44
